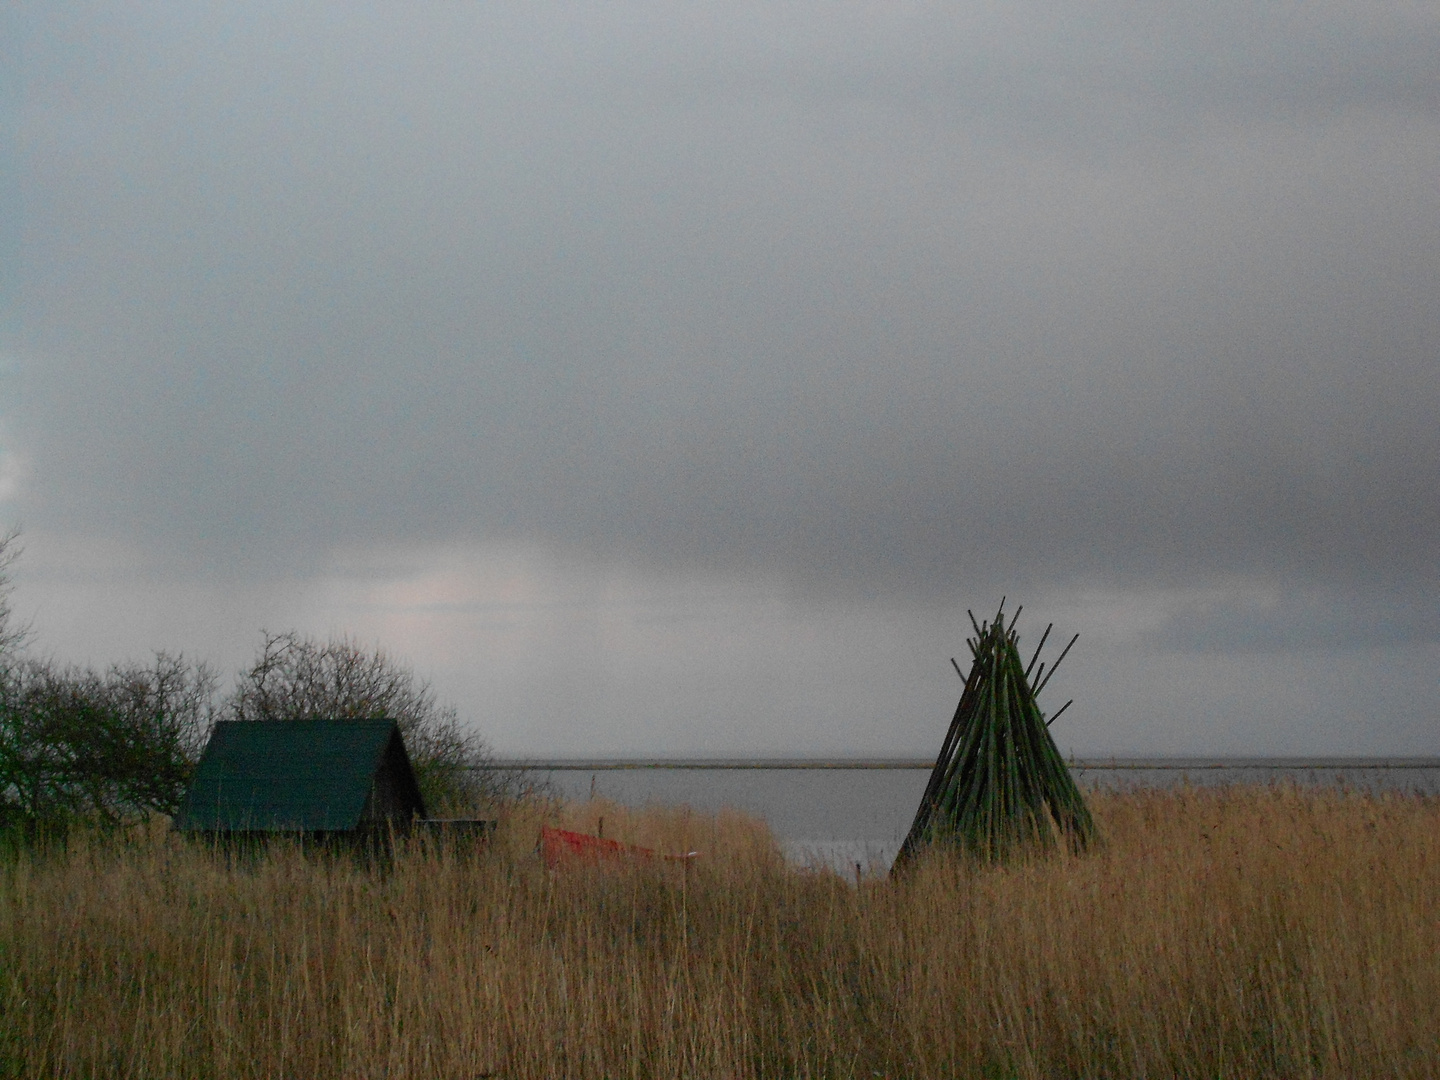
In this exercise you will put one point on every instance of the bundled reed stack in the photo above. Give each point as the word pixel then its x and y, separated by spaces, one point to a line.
pixel 1000 781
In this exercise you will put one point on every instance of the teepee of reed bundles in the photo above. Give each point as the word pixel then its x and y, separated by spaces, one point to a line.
pixel 1000 781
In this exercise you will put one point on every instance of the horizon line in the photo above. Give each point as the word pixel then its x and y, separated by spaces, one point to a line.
pixel 915 764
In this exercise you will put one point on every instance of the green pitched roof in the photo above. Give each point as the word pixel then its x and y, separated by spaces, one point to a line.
pixel 299 776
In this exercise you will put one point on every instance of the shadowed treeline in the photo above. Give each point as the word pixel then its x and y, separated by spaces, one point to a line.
pixel 1231 932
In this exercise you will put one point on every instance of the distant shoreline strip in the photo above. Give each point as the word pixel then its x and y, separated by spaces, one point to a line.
pixel 911 764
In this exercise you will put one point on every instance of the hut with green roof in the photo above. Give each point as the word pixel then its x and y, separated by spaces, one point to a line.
pixel 317 779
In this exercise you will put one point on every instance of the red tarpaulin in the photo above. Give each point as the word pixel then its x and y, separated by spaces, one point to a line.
pixel 559 845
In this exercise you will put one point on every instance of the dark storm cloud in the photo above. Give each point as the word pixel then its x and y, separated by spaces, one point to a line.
pixel 879 298
pixel 1315 622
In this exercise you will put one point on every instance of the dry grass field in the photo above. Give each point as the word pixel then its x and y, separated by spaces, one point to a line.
pixel 1216 933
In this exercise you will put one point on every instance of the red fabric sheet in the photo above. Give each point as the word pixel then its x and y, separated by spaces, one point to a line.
pixel 560 845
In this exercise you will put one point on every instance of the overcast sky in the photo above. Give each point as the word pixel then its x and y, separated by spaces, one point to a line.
pixel 670 378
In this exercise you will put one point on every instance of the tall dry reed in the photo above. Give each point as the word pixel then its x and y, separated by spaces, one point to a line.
pixel 1215 933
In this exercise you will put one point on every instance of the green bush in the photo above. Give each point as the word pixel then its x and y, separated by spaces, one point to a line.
pixel 101 747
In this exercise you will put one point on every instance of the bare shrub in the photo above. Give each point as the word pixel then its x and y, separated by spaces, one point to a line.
pixel 302 678
pixel 11 636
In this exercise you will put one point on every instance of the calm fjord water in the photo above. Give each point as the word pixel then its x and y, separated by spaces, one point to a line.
pixel 840 813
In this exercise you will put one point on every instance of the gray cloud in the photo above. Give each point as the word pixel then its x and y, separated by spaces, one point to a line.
pixel 1316 621
pixel 883 300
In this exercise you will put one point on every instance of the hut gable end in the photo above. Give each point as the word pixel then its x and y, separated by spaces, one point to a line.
pixel 394 793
